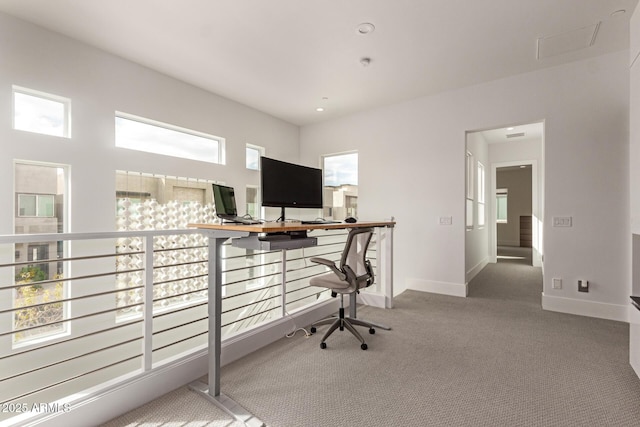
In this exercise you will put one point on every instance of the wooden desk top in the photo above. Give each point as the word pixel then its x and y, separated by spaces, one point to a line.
pixel 276 227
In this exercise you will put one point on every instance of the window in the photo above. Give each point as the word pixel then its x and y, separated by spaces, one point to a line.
pixel 469 189
pixel 38 189
pixel 36 205
pixel 340 175
pixel 481 191
pixel 136 133
pixel 144 202
pixel 501 205
pixel 40 112
pixel 253 153
pixel 253 206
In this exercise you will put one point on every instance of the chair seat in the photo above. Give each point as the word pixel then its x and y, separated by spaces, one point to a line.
pixel 331 281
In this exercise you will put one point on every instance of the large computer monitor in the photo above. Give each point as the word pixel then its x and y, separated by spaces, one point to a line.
pixel 288 185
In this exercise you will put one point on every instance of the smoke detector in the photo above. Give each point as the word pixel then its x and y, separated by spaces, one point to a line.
pixel 365 28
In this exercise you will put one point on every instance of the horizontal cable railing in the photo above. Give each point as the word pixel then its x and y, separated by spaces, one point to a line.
pixel 113 305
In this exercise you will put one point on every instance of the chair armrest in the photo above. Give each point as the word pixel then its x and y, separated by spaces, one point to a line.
pixel 331 265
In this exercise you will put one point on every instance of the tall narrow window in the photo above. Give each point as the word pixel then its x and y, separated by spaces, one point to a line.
pixel 469 190
pixel 253 153
pixel 340 196
pixel 501 205
pixel 40 112
pixel 481 191
pixel 253 205
pixel 137 133
pixel 40 199
pixel 144 202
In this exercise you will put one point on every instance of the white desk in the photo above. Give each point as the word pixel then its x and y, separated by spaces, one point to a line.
pixel 218 234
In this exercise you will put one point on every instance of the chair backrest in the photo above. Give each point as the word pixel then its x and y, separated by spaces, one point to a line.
pixel 354 262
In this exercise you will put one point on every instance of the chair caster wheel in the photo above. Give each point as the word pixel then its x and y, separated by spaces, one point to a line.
pixel 323 345
pixel 313 330
pixel 372 331
pixel 363 346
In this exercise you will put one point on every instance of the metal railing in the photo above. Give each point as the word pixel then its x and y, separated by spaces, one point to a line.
pixel 123 303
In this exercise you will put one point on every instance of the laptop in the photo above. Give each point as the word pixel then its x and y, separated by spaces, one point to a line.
pixel 224 199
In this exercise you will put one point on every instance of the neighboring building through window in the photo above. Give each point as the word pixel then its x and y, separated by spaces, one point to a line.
pixel 36 205
pixel 39 112
pixel 146 202
pixel 40 197
pixel 340 196
pixel 137 133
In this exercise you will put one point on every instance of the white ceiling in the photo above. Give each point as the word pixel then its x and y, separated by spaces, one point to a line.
pixel 284 56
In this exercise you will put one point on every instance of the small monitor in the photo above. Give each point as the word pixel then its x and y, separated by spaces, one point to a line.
pixel 224 199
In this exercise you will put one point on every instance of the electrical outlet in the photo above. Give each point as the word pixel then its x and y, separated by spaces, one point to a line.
pixel 557 283
pixel 583 285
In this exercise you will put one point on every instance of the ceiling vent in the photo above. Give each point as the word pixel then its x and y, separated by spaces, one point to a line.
pixel 570 41
pixel 515 135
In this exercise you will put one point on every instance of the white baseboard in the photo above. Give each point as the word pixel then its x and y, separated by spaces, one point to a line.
pixel 372 299
pixel 585 308
pixel 446 288
pixel 108 401
pixel 476 269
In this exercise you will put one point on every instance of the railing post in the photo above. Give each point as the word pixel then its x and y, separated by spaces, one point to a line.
pixel 147 343
pixel 284 283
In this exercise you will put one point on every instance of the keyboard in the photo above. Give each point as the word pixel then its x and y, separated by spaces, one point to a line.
pixel 321 221
pixel 243 220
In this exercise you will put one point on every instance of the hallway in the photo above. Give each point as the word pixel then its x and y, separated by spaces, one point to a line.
pixel 511 278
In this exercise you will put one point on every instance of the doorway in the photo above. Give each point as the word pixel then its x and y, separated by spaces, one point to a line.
pixel 506 227
pixel 514 213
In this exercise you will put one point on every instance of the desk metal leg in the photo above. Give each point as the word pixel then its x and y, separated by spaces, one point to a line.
pixel 211 391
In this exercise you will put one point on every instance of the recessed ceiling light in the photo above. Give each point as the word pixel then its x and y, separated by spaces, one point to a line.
pixel 618 12
pixel 319 109
pixel 510 128
pixel 365 28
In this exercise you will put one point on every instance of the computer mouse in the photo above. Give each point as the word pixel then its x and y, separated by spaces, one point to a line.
pixel 350 219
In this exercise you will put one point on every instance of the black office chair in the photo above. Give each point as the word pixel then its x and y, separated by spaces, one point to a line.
pixel 354 273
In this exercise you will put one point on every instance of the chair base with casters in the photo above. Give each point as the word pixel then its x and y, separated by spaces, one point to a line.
pixel 353 273
pixel 342 322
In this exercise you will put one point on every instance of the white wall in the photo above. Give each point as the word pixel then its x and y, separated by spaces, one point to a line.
pixel 634 314
pixel 99 84
pixel 412 166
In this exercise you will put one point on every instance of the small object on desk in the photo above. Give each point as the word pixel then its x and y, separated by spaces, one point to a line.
pixel 321 221
pixel 350 219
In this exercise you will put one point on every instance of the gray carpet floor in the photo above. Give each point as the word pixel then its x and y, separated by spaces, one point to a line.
pixel 492 359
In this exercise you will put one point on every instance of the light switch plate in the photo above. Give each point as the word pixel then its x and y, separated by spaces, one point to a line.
pixel 446 220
